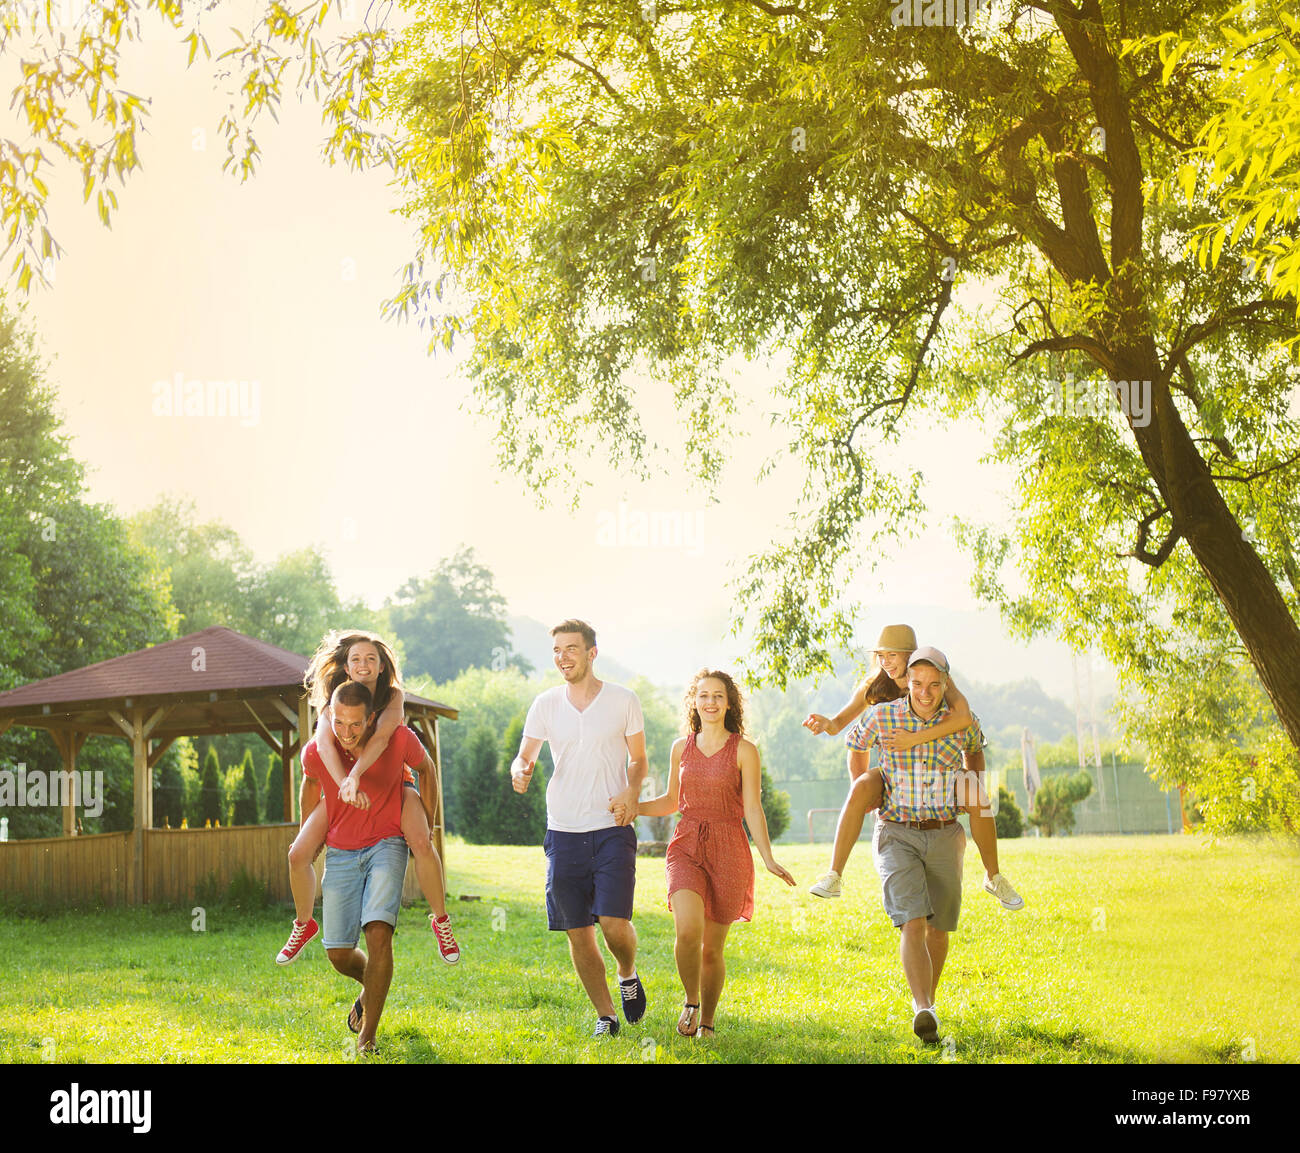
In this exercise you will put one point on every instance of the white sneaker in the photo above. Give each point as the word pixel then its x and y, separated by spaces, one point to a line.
pixel 926 1026
pixel 828 885
pixel 1001 888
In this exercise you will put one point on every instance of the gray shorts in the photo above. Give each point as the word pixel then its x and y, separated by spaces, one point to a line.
pixel 920 872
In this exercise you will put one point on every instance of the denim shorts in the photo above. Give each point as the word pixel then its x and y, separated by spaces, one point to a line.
pixel 589 876
pixel 360 886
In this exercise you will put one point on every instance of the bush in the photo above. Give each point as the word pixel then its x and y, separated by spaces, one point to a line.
pixel 274 791
pixel 776 806
pixel 1009 818
pixel 478 794
pixel 247 891
pixel 1055 800
pixel 168 795
pixel 211 801
pixel 243 783
pixel 520 819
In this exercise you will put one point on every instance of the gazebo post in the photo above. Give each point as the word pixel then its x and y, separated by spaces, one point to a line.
pixel 286 772
pixel 69 745
pixel 304 735
pixel 140 760
pixel 430 726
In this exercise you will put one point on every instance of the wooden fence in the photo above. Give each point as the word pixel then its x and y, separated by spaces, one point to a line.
pixel 179 864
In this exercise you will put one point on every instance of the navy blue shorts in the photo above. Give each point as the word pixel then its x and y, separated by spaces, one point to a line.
pixel 589 875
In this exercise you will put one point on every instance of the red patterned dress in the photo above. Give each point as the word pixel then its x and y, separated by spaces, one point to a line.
pixel 709 852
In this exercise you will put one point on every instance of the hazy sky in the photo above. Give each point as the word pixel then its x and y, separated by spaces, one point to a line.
pixel 352 438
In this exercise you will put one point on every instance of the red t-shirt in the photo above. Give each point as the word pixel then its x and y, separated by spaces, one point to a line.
pixel 353 828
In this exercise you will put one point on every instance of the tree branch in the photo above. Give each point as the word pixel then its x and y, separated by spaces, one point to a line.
pixel 1140 550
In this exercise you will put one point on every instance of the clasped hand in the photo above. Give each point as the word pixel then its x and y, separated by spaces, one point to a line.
pixel 349 794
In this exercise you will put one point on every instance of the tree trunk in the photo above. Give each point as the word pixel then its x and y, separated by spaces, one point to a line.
pixel 1245 587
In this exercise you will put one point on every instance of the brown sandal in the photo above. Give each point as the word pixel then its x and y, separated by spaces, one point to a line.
pixel 688 1023
pixel 699 1035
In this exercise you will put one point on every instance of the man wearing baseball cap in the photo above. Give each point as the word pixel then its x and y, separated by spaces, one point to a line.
pixel 918 844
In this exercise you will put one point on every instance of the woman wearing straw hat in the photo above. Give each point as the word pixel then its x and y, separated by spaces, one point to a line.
pixel 895 646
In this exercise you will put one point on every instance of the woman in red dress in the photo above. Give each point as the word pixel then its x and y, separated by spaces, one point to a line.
pixel 715 783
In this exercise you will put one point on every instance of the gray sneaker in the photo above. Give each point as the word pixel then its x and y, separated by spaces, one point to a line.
pixel 828 885
pixel 1001 888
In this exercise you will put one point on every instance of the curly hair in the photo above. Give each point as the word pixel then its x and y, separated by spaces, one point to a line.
pixel 328 668
pixel 734 721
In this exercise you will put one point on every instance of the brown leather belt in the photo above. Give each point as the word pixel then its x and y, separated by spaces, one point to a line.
pixel 933 823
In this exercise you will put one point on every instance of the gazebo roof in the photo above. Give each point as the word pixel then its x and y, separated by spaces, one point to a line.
pixel 213 681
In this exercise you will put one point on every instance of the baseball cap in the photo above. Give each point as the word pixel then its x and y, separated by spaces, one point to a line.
pixel 931 654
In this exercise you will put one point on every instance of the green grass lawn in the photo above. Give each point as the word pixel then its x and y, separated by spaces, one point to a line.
pixel 1129 950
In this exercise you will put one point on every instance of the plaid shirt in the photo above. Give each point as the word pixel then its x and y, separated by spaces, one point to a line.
pixel 920 784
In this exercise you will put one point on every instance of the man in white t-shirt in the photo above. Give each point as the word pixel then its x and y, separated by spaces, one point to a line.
pixel 597 737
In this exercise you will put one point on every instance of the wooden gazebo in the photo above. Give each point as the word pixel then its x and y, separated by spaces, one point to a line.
pixel 213 682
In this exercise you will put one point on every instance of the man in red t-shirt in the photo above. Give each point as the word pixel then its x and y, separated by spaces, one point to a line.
pixel 365 854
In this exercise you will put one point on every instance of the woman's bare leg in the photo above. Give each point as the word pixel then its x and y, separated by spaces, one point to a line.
pixel 688 919
pixel 428 865
pixel 713 972
pixel 304 850
pixel 863 797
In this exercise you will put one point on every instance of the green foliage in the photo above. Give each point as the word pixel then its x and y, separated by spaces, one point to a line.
pixel 663 722
pixel 168 794
pixel 241 782
pixel 1009 820
pixel 776 806
pixel 215 580
pixel 212 803
pixel 274 791
pixel 58 555
pixel 477 789
pixel 774 722
pixel 1245 160
pixel 1240 793
pixel 453 620
pixel 247 891
pixel 520 820
pixel 490 699
pixel 1054 802
pixel 1210 729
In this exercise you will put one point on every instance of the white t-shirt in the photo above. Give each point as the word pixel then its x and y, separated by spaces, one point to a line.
pixel 590 753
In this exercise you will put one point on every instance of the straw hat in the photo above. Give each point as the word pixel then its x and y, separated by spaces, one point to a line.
pixel 896 639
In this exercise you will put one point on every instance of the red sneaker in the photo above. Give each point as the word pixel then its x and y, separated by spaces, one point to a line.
pixel 302 933
pixel 447 946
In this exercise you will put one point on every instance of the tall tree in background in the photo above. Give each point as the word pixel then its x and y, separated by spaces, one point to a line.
pixel 74 589
pixel 521 819
pixel 274 791
pixel 212 799
pixel 477 794
pixel 453 620
pixel 216 581
pixel 243 785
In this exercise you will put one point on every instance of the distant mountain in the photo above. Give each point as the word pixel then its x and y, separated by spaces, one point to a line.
pixel 1022 704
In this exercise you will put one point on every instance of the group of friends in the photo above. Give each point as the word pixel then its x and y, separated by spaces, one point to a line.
pixel 368 790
